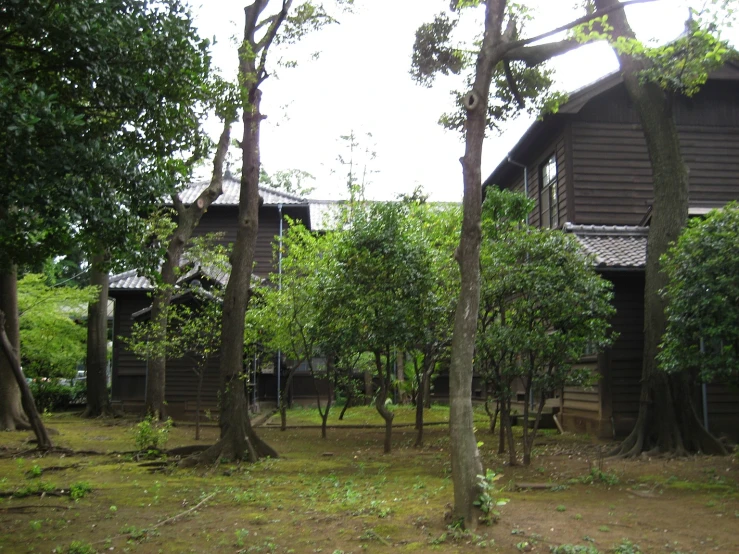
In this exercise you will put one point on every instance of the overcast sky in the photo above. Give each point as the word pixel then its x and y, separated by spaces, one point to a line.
pixel 361 83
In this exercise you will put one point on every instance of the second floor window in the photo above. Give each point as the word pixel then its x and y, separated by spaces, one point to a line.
pixel 549 196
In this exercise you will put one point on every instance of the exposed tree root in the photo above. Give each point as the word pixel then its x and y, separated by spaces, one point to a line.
pixel 246 446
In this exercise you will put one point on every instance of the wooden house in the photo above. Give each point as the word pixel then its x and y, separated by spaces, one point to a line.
pixel 131 293
pixel 588 169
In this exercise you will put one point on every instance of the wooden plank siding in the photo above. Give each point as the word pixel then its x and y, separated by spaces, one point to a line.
pixel 128 372
pixel 611 168
pixel 557 146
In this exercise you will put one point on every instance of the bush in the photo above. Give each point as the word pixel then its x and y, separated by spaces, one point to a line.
pixel 53 395
pixel 150 435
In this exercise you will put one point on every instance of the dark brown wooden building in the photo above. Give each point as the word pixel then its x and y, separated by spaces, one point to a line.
pixel 588 170
pixel 131 294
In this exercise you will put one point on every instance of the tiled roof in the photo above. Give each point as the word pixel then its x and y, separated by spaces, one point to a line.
pixel 230 195
pixel 614 246
pixel 129 280
pixel 211 272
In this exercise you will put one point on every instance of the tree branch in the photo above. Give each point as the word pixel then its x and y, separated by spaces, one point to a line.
pixel 534 55
pixel 269 38
pixel 599 13
pixel 513 85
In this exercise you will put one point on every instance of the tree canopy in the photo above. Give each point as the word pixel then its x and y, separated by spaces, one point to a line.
pixel 101 102
pixel 703 298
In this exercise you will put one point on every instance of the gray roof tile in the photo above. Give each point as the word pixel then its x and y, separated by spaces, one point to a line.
pixel 614 246
pixel 230 196
pixel 130 280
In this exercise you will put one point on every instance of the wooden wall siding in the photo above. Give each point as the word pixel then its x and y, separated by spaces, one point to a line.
pixel 625 355
pixel 723 410
pixel 225 218
pixel 558 146
pixel 128 371
pixel 611 169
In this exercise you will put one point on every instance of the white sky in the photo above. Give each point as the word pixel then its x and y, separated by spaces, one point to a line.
pixel 361 82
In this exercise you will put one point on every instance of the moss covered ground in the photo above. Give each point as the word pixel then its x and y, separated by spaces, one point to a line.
pixel 342 495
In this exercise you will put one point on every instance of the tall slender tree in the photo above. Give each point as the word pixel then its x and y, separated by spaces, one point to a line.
pixel 509 62
pixel 266 23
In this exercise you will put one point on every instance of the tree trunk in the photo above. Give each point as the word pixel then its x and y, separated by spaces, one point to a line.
pixel 423 391
pixel 368 388
pixel 386 414
pixel 98 401
pixel 667 420
pixel 466 463
pixel 29 406
pixel 345 407
pixel 188 218
pixel 198 400
pixel 400 376
pixel 238 439
pixel 12 417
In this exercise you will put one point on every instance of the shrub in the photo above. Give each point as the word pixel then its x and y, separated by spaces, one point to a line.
pixel 150 435
pixel 53 395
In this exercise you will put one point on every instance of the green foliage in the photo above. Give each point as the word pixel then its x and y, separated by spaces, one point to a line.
pixel 438 51
pixel 52 338
pixel 79 490
pixel 488 501
pixel 150 434
pixel 77 547
pixel 683 65
pixel 703 298
pixel 597 475
pixel 292 181
pixel 626 547
pixel 99 101
pixel 541 303
pixel 50 394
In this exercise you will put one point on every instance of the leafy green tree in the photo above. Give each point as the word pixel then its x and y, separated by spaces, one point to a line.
pixel 379 275
pixel 503 67
pixel 101 106
pixel 439 227
pixel 266 22
pixel 653 78
pixel 52 332
pixel 703 299
pixel 542 306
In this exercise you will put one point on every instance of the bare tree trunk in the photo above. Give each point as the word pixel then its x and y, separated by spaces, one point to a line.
pixel 368 388
pixel 198 400
pixel 98 401
pixel 188 218
pixel 400 376
pixel 492 415
pixel 344 408
pixel 12 417
pixel 667 421
pixel 386 414
pixel 466 463
pixel 42 437
pixel 529 443
pixel 284 394
pixel 421 398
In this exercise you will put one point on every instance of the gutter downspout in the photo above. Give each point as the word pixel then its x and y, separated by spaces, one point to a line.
pixel 279 287
pixel 525 178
